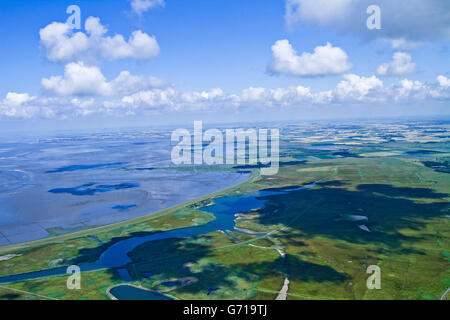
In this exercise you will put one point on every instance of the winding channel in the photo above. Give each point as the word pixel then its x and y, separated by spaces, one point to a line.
pixel 116 255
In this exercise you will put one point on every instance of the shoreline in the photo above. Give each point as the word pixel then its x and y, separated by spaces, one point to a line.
pixel 90 231
pixel 113 297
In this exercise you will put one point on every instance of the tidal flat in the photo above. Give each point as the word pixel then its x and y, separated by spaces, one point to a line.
pixel 58 185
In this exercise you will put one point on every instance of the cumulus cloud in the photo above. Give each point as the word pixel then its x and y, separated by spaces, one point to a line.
pixel 94 27
pixel 151 98
pixel 400 65
pixel 216 100
pixel 16 99
pixel 255 94
pixel 127 83
pixel 21 105
pixel 411 21
pixel 139 46
pixel 357 88
pixel 82 80
pixel 78 79
pixel 141 6
pixel 443 81
pixel 409 85
pixel 324 61
pixel 169 98
pixel 63 44
pixel 285 97
pixel 409 89
pixel 352 89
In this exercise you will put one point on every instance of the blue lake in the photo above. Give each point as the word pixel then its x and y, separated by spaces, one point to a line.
pixel 125 292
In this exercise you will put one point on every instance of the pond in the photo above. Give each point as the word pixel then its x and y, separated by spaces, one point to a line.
pixel 126 292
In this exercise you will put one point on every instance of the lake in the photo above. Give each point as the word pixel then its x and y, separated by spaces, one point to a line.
pixel 127 292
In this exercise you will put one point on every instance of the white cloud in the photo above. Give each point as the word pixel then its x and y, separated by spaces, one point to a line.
pixel 141 6
pixel 414 90
pixel 82 80
pixel 62 44
pixel 400 65
pixel 411 89
pixel 325 60
pixel 22 105
pixel 79 80
pixel 443 81
pixel 94 28
pixel 214 99
pixel 83 104
pixel 127 83
pixel 19 105
pixel 403 44
pixel 255 94
pixel 139 46
pixel 442 90
pixel 201 96
pixel 16 99
pixel 412 21
pixel 285 97
pixel 217 100
pixel 411 85
pixel 351 90
pixel 357 88
pixel 151 98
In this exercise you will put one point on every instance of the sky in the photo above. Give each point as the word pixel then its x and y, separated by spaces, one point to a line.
pixel 149 62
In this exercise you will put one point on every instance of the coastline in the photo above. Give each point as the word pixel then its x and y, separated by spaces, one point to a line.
pixel 5 249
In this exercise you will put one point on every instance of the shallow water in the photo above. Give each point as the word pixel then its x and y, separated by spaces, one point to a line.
pixel 72 182
pixel 224 210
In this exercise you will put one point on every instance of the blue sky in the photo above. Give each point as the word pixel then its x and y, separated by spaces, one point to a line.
pixel 222 60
